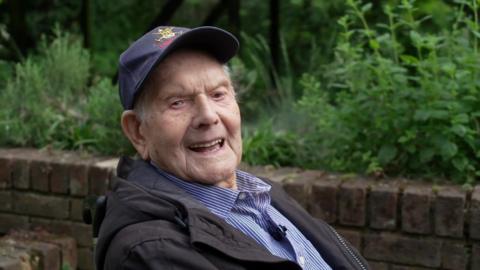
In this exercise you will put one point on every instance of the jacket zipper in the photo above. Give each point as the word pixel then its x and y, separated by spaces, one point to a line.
pixel 349 250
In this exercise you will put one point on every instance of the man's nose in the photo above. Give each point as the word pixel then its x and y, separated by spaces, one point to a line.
pixel 206 113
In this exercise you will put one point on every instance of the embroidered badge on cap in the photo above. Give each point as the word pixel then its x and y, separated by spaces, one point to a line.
pixel 166 36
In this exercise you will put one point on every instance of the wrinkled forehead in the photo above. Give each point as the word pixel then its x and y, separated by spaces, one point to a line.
pixel 184 58
pixel 187 65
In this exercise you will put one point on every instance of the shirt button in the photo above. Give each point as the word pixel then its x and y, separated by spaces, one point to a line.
pixel 301 261
pixel 242 196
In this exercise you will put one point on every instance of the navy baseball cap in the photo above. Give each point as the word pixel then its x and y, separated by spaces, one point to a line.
pixel 143 55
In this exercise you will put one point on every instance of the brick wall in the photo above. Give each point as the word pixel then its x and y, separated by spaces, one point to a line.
pixel 45 189
pixel 396 224
pixel 37 250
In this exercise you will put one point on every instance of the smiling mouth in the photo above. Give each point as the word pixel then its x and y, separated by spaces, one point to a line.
pixel 207 146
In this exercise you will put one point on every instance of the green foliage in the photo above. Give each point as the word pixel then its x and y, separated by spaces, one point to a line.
pixel 392 88
pixel 263 145
pixel 409 107
pixel 262 90
pixel 48 102
pixel 267 97
pixel 119 22
pixel 38 103
pixel 104 111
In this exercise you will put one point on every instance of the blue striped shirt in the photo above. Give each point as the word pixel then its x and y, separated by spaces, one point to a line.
pixel 249 210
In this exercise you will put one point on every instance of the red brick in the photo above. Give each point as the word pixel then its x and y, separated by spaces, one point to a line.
pixel 377 265
pixel 12 221
pixel 39 174
pixel 475 263
pixel 66 245
pixel 78 179
pixel 278 175
pixel 352 203
pixel 5 173
pixel 16 258
pixel 399 249
pixel 41 205
pixel 20 174
pixel 59 178
pixel 416 203
pixel 50 257
pixel 383 201
pixel 68 249
pixel 323 200
pixel 82 233
pixel 76 209
pixel 49 254
pixel 475 213
pixel 454 255
pixel 37 223
pixel 449 212
pixel 299 189
pixel 5 200
pixel 10 263
pixel 85 259
pixel 353 237
pixel 98 180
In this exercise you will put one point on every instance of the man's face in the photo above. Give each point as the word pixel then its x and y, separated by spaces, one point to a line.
pixel 192 124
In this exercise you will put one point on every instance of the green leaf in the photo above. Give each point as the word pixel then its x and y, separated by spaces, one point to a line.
pixel 470 98
pixel 411 148
pixel 448 67
pixel 366 7
pixel 422 115
pixel 460 130
pixel 448 149
pixel 476 33
pixel 460 163
pixel 416 38
pixel 387 153
pixel 472 25
pixel 439 114
pixel 409 59
pixel 427 154
pixel 374 44
pixel 460 118
pixel 296 2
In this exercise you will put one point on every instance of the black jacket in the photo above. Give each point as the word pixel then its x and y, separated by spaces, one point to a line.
pixel 152 224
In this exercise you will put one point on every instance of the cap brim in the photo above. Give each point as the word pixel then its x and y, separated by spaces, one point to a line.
pixel 215 41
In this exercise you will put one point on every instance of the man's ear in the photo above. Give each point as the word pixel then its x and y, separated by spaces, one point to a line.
pixel 132 128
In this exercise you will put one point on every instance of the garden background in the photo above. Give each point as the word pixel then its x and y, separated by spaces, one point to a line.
pixel 342 99
pixel 384 88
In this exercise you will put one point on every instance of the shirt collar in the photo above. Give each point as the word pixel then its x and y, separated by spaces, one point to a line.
pixel 218 200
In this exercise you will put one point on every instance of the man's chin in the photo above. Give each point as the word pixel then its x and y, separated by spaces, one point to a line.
pixel 218 176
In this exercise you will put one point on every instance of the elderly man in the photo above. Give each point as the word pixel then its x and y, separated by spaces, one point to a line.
pixel 184 204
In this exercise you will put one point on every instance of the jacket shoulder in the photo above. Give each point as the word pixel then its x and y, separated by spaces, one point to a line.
pixel 141 243
pixel 156 244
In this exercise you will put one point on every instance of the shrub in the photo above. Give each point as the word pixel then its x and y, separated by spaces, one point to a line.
pixel 49 102
pixel 263 146
pixel 42 100
pixel 391 107
pixel 104 110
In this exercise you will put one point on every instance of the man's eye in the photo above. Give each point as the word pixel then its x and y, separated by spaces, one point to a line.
pixel 218 95
pixel 177 104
